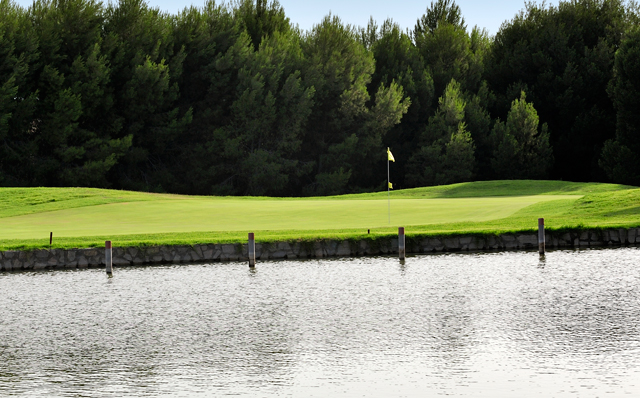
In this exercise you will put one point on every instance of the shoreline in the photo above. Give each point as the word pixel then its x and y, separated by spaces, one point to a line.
pixel 44 259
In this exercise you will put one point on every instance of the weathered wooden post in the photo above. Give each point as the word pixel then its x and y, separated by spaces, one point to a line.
pixel 401 248
pixel 108 258
pixel 252 250
pixel 541 235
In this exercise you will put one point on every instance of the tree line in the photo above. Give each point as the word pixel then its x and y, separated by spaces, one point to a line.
pixel 235 99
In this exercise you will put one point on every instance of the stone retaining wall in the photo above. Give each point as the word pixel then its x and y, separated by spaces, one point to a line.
pixel 82 258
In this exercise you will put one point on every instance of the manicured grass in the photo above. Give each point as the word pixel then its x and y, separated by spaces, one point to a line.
pixel 83 217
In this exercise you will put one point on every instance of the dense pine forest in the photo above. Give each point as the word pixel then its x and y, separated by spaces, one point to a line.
pixel 234 99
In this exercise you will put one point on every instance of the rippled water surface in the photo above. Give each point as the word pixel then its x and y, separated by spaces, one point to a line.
pixel 474 325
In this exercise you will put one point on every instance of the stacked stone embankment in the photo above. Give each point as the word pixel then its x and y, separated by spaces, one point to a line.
pixel 13 260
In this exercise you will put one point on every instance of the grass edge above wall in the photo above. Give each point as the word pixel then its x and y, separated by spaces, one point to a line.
pixel 98 242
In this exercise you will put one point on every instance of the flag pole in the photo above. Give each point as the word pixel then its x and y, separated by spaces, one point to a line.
pixel 388 189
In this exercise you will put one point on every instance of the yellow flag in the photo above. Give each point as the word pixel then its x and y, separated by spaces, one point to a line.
pixel 390 156
pixel 390 186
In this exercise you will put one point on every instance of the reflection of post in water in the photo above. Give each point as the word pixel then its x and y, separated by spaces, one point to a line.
pixel 543 261
pixel 401 249
pixel 403 268
pixel 251 249
pixel 401 246
pixel 108 258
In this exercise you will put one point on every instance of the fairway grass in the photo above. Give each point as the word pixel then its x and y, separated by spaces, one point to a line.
pixel 84 217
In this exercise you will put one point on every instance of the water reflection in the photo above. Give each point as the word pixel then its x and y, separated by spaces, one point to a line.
pixel 479 325
pixel 403 267
pixel 543 261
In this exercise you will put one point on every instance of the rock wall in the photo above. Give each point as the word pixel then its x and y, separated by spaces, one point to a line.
pixel 13 260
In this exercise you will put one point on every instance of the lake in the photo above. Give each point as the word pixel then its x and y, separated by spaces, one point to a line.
pixel 463 325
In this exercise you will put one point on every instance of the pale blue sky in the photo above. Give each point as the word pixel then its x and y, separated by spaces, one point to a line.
pixel 486 14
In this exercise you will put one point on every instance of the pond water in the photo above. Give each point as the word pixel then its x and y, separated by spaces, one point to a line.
pixel 463 325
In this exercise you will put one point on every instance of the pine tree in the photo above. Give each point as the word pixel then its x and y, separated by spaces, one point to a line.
pixel 620 156
pixel 446 154
pixel 521 150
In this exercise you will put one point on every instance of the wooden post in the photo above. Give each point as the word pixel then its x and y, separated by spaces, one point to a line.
pixel 541 235
pixel 252 250
pixel 108 258
pixel 401 248
pixel 50 240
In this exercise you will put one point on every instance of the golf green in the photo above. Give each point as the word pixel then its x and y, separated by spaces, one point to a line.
pixel 225 214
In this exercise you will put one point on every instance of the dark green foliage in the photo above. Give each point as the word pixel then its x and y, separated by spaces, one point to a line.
pixel 268 118
pixel 439 12
pixel 17 104
pixel 449 51
pixel 399 61
pixel 70 145
pixel 478 121
pixel 446 51
pixel 345 129
pixel 620 156
pixel 261 19
pixel 562 57
pixel 145 67
pixel 521 151
pixel 446 153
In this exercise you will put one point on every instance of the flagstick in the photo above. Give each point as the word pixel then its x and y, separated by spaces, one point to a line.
pixel 388 190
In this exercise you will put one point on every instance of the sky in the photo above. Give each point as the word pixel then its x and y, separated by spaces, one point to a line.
pixel 487 14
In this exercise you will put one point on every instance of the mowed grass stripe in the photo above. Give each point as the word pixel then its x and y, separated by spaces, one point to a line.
pixel 202 214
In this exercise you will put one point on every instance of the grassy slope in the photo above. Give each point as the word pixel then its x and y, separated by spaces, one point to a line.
pixel 131 218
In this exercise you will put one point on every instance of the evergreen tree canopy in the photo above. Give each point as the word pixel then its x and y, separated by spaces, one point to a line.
pixel 447 150
pixel 620 155
pixel 233 99
pixel 562 57
pixel 438 13
pixel 521 151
